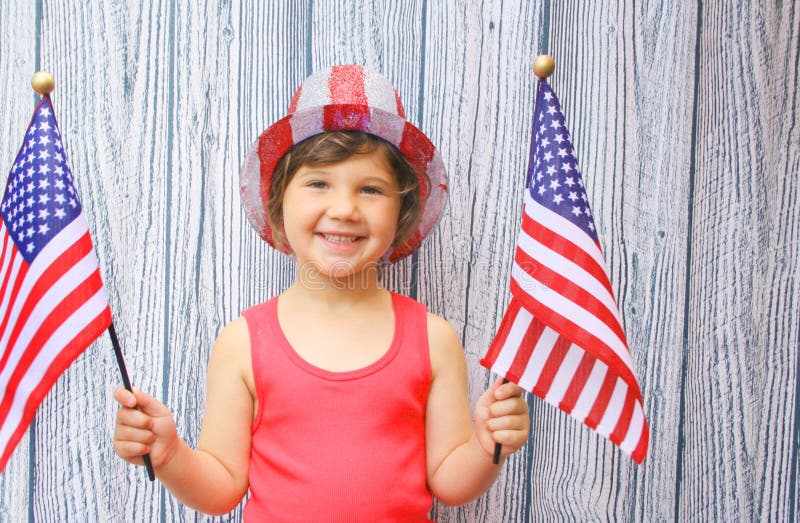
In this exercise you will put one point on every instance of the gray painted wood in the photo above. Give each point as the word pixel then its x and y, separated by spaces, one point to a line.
pixel 17 25
pixel 684 122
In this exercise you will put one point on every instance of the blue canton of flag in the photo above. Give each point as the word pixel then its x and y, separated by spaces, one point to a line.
pixel 40 198
pixel 553 176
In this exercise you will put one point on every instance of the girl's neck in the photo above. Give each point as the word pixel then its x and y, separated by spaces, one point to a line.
pixel 336 294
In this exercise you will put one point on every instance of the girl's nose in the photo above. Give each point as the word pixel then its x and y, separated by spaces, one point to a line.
pixel 342 206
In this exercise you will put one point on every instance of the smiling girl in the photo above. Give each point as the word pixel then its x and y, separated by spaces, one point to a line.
pixel 337 400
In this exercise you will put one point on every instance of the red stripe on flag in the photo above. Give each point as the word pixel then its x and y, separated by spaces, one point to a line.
pixel 551 366
pixel 624 420
pixel 59 314
pixel 67 355
pixel 76 252
pixel 502 334
pixel 565 248
pixel 640 451
pixel 577 334
pixel 568 289
pixel 6 237
pixel 577 383
pixel 595 415
pixel 17 282
pixel 525 349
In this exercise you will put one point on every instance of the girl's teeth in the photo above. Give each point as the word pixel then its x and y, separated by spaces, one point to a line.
pixel 339 239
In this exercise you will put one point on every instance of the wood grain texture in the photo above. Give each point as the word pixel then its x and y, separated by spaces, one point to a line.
pixel 17 65
pixel 478 60
pixel 112 105
pixel 741 379
pixel 684 120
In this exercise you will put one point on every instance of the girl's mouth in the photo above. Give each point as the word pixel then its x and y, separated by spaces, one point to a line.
pixel 339 239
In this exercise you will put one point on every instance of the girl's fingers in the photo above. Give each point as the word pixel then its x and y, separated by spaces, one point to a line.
pixel 508 390
pixel 506 407
pixel 507 423
pixel 134 418
pixel 131 451
pixel 134 435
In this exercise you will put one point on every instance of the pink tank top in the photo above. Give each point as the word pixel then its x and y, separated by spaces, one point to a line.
pixel 339 446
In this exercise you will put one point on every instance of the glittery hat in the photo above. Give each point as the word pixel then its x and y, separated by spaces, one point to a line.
pixel 345 98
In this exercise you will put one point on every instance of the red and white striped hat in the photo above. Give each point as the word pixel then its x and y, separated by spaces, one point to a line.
pixel 351 98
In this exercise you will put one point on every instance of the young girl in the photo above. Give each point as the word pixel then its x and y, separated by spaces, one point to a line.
pixel 337 400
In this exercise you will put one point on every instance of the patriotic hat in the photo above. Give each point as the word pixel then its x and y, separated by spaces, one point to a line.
pixel 345 98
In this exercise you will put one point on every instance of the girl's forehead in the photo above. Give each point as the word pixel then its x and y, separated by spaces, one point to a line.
pixel 373 164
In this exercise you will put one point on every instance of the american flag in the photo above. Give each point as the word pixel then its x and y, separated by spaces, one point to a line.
pixel 561 337
pixel 52 300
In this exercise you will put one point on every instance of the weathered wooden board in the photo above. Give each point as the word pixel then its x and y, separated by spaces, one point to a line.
pixel 684 123
pixel 740 459
pixel 477 61
pixel 18 52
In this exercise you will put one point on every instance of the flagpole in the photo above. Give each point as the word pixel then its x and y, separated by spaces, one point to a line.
pixel 43 83
pixel 112 332
pixel 543 67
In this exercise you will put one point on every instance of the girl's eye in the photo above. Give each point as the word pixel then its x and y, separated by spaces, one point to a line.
pixel 316 184
pixel 372 190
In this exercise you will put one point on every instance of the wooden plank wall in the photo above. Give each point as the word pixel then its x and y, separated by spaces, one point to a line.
pixel 684 118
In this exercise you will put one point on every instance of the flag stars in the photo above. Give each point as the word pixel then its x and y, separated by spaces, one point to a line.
pixel 43 214
pixel 59 198
pixel 562 152
pixel 558 198
pixel 44 198
pixel 44 183
pixel 547 156
pixel 554 184
pixel 572 196
pixel 576 211
pixel 44 228
pixel 551 170
pixel 59 213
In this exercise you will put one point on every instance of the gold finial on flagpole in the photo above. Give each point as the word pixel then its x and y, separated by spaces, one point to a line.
pixel 42 82
pixel 543 66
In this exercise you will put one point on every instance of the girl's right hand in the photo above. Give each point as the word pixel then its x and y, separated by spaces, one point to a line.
pixel 148 430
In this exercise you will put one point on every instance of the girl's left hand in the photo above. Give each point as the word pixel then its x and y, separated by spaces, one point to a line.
pixel 501 416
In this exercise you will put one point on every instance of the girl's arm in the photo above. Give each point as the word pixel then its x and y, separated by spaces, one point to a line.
pixel 460 451
pixel 213 478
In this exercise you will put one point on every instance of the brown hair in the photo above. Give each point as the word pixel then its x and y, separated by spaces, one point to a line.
pixel 336 146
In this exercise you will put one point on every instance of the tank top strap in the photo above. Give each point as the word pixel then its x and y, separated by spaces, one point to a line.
pixel 412 317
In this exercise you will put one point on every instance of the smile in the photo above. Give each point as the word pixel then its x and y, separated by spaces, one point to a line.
pixel 341 240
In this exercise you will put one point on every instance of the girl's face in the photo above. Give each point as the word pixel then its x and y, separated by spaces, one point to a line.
pixel 339 219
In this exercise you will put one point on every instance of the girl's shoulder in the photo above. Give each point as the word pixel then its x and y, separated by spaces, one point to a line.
pixel 446 351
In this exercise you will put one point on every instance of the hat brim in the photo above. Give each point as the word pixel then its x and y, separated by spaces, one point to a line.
pixel 276 140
